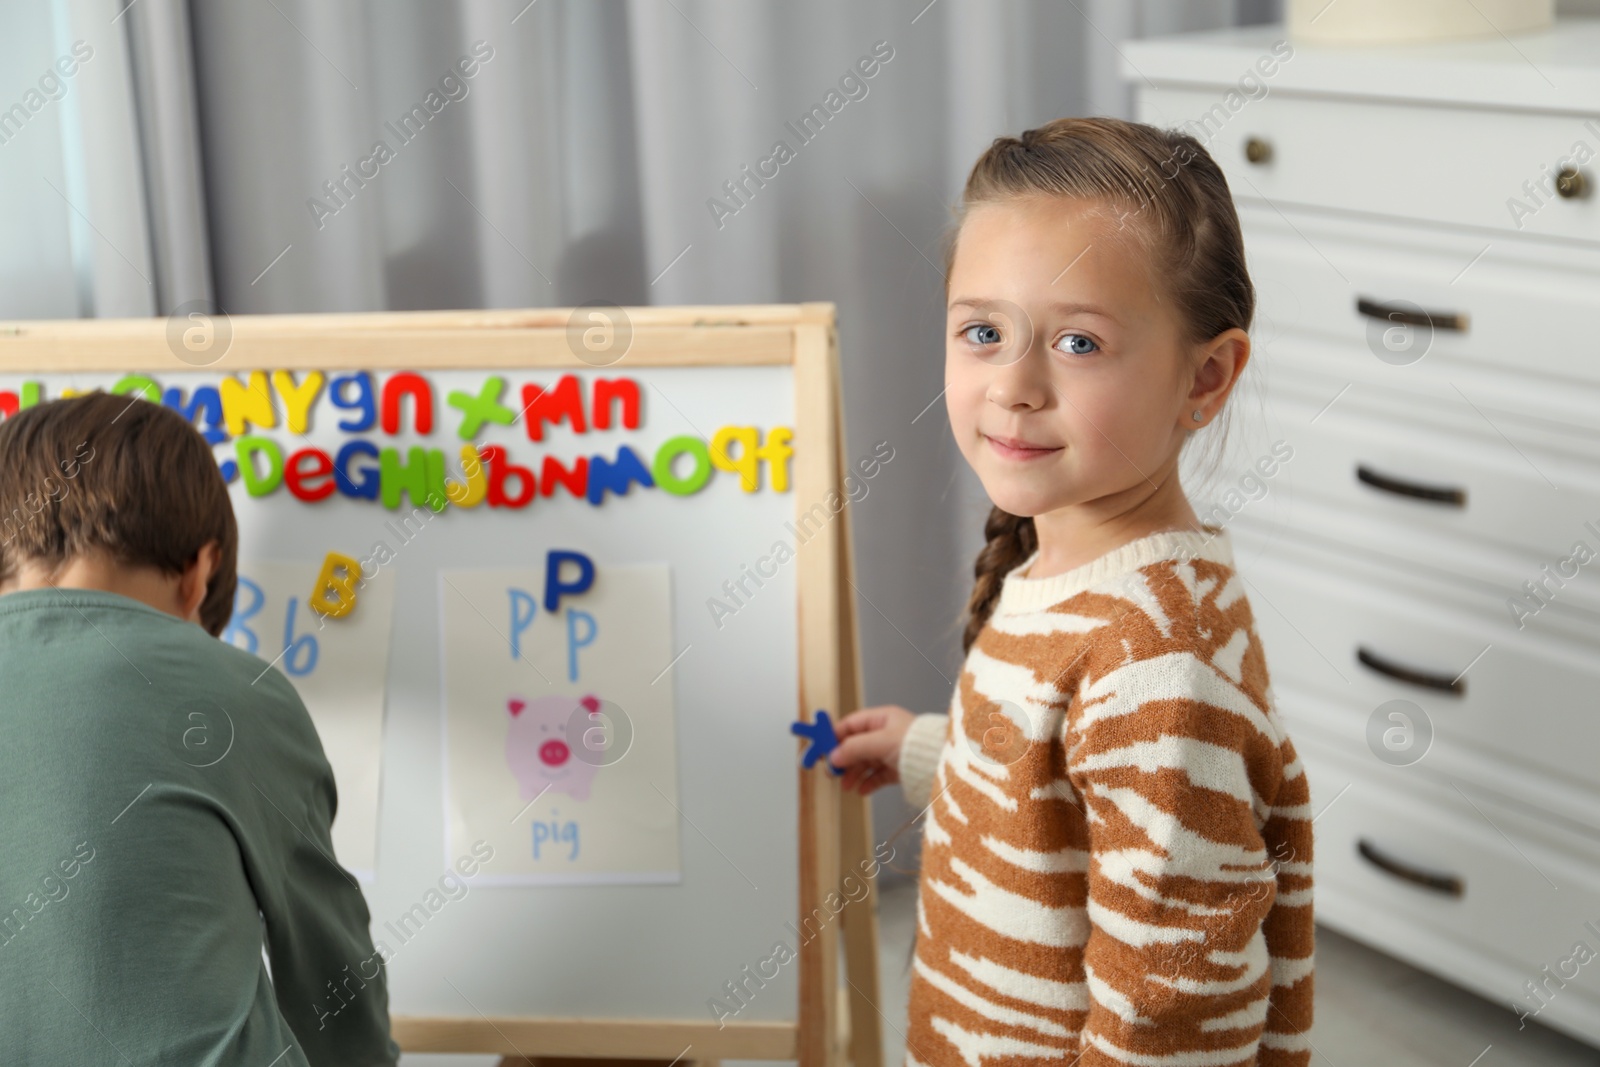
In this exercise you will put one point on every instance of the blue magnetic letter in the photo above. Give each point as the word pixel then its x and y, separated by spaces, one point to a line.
pixel 554 588
pixel 363 401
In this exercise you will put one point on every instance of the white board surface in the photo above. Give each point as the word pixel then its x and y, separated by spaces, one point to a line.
pixel 621 950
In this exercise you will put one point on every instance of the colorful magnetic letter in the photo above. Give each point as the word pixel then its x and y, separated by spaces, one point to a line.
pixel 297 398
pixel 407 383
pixel 746 464
pixel 257 482
pixel 242 403
pixel 363 402
pixel 541 405
pixel 370 477
pixel 474 486
pixel 335 592
pixel 823 740
pixel 666 474
pixel 607 390
pixel 555 588
pixel 604 475
pixel 485 407
pixel 501 473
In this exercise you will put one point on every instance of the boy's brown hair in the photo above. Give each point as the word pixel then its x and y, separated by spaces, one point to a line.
pixel 117 476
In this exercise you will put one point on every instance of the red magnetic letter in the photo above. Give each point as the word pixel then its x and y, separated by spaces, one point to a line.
pixel 575 480
pixel 624 389
pixel 500 472
pixel 421 392
pixel 563 402
pixel 299 481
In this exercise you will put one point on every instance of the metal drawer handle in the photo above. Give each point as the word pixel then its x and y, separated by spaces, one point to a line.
pixel 1258 150
pixel 1438 320
pixel 1572 184
pixel 1438 494
pixel 1448 884
pixel 1410 675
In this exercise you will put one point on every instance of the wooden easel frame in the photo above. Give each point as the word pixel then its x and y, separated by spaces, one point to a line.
pixel 835 1024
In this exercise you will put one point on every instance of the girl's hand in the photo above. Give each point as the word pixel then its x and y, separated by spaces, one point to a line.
pixel 869 747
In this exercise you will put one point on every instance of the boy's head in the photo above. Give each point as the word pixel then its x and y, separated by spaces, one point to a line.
pixel 115 478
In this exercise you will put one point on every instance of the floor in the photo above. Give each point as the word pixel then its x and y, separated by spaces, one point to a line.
pixel 1371 1010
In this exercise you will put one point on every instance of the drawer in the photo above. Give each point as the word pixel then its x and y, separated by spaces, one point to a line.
pixel 1526 311
pixel 1367 633
pixel 1289 473
pixel 1424 873
pixel 1480 575
pixel 1458 166
pixel 1546 807
pixel 1362 453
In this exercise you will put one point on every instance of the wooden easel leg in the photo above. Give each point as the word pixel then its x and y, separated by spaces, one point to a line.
pixel 817 466
pixel 857 857
pixel 861 939
pixel 838 1023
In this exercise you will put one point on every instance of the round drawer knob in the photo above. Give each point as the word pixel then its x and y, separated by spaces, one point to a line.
pixel 1571 183
pixel 1259 150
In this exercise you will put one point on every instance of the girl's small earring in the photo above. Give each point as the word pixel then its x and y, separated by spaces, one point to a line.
pixel 1196 415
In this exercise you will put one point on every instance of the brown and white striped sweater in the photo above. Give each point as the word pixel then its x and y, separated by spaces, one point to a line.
pixel 1116 860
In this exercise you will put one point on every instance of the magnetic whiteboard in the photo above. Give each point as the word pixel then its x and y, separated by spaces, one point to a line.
pixel 656 950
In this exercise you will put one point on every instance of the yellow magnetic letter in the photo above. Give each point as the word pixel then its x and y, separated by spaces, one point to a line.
pixel 297 399
pixel 776 452
pixel 335 592
pixel 746 463
pixel 468 494
pixel 241 402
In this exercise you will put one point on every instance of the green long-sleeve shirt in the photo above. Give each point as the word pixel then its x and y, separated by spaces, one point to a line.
pixel 165 807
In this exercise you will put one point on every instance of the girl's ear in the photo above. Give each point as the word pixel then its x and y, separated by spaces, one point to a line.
pixel 1219 362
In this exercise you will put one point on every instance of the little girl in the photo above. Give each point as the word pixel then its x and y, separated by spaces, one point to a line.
pixel 1116 862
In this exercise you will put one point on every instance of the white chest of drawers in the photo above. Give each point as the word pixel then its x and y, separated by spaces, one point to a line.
pixel 1423 567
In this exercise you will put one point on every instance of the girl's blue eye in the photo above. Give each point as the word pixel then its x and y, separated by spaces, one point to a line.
pixel 1077 344
pixel 988 335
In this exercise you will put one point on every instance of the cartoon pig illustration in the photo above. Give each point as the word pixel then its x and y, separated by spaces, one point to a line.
pixel 538 749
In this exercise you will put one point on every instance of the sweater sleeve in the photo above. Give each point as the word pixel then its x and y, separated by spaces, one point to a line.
pixel 1178 770
pixel 329 979
pixel 919 756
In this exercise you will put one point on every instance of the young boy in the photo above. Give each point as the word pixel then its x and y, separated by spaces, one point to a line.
pixel 165 802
